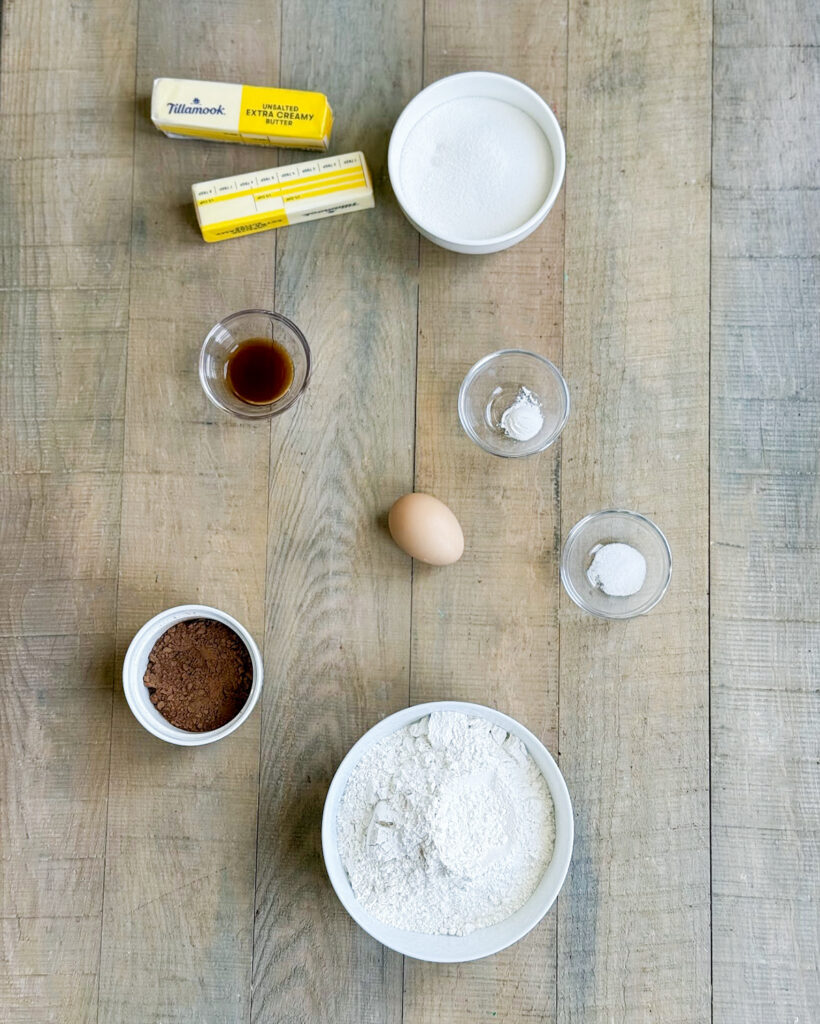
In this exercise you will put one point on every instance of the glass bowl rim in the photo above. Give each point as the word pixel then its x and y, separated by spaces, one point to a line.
pixel 273 409
pixel 572 537
pixel 471 375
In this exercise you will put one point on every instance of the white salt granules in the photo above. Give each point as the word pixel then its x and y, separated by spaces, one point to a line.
pixel 475 168
pixel 617 569
pixel 446 826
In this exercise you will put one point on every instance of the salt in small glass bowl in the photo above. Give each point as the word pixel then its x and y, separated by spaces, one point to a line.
pixel 493 384
pixel 607 527
pixel 226 335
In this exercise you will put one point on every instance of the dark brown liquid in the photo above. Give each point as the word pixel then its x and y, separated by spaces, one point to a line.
pixel 259 371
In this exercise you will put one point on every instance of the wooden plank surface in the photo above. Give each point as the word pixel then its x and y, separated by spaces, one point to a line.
pixel 633 926
pixel 338 591
pixel 486 629
pixel 765 513
pixel 66 112
pixel 143 883
pixel 178 929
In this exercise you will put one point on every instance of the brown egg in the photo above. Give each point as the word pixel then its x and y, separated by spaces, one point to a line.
pixel 426 529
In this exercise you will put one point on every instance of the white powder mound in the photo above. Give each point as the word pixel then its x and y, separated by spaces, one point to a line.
pixel 617 569
pixel 446 826
pixel 475 168
pixel 523 419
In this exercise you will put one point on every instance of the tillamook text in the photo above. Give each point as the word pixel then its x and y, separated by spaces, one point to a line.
pixel 255 115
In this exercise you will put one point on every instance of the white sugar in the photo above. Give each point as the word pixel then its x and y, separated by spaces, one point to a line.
pixel 475 168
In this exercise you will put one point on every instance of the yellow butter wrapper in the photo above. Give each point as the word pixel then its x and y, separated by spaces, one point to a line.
pixel 255 115
pixel 248 203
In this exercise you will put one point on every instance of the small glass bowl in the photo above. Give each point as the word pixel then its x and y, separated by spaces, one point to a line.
pixel 607 527
pixel 224 337
pixel 491 387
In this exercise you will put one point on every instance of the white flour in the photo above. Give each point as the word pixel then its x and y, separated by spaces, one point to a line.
pixel 475 168
pixel 446 826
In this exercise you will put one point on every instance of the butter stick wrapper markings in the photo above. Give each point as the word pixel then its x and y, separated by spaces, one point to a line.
pixel 247 203
pixel 255 115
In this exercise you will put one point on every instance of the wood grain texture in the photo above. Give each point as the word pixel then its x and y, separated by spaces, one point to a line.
pixel 128 868
pixel 486 629
pixel 765 514
pixel 66 110
pixel 178 921
pixel 338 591
pixel 634 940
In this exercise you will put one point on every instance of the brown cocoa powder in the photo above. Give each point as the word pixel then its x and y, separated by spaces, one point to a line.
pixel 199 675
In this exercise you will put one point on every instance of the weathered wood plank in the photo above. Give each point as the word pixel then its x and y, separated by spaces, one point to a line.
pixel 178 921
pixel 633 920
pixel 634 916
pixel 486 629
pixel 338 591
pixel 765 513
pixel 65 227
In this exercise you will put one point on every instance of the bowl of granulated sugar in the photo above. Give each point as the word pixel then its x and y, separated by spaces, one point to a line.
pixel 476 161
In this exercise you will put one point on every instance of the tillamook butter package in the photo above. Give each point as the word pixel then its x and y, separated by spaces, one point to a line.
pixel 261 200
pixel 255 115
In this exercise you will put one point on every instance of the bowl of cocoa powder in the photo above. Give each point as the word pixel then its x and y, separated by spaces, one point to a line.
pixel 192 675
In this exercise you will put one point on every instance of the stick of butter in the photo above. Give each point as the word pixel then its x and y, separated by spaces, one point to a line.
pixel 261 200
pixel 252 114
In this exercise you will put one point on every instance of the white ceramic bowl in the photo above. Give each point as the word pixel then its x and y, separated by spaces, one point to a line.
pixel 490 85
pixel 484 941
pixel 136 661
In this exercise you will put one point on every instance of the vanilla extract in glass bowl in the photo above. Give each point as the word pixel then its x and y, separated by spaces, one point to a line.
pixel 254 364
pixel 259 371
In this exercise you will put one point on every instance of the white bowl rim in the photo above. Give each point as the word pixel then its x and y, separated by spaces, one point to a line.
pixel 556 870
pixel 559 160
pixel 131 675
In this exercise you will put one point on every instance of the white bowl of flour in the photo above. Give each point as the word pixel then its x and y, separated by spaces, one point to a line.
pixel 447 831
pixel 476 161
